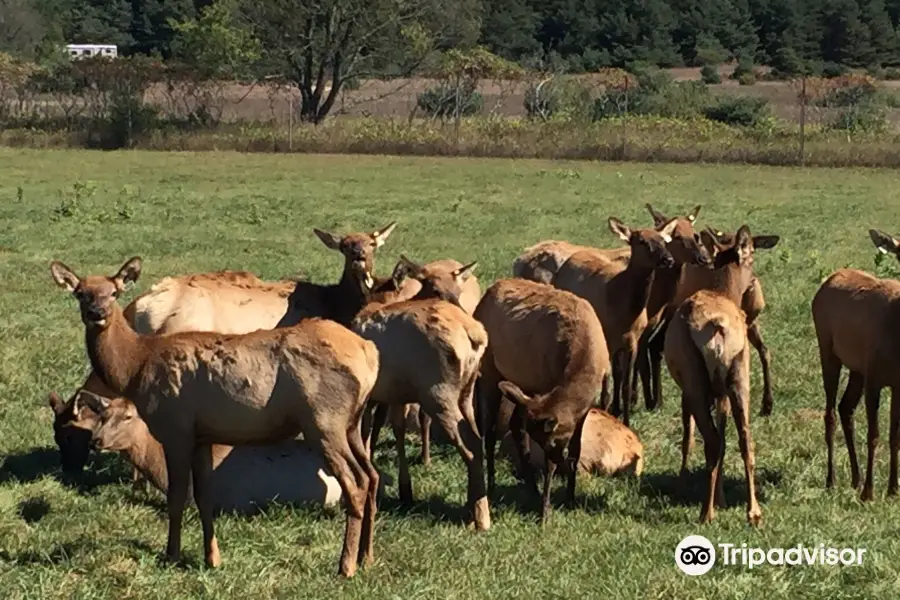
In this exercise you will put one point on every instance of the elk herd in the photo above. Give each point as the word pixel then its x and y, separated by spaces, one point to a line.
pixel 232 391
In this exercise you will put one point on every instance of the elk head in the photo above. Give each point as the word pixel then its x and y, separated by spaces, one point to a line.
pixel 552 431
pixel 96 294
pixel 886 243
pixel 686 246
pixel 73 426
pixel 358 248
pixel 648 246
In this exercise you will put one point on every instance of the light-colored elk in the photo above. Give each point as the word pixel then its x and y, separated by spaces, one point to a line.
pixel 856 315
pixel 430 351
pixel 198 389
pixel 619 293
pixel 541 261
pixel 546 353
pixel 229 302
pixel 706 351
pixel 244 479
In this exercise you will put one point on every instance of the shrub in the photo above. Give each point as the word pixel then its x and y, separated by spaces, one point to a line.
pixel 655 93
pixel 558 97
pixel 849 90
pixel 738 110
pixel 440 101
pixel 867 117
pixel 710 75
pixel 747 79
pixel 744 67
pixel 892 74
pixel 832 69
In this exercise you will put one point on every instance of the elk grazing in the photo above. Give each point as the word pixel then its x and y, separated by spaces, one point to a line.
pixel 197 389
pixel 230 302
pixel 430 351
pixel 547 354
pixel 855 315
pixel 619 291
pixel 243 479
pixel 607 446
pixel 706 351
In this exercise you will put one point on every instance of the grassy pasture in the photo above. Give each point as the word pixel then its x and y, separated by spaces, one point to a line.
pixel 196 212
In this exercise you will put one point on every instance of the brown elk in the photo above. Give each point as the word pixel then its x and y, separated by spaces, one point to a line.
pixel 547 354
pixel 243 479
pixel 230 302
pixel 541 261
pixel 619 291
pixel 706 351
pixel 855 314
pixel 198 389
pixel 430 351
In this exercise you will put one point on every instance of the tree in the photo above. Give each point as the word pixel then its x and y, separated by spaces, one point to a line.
pixel 320 45
pixel 214 45
pixel 151 22
pixel 21 27
pixel 509 28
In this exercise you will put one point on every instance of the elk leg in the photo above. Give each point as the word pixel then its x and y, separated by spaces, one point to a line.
pixel 425 429
pixel 754 335
pixel 894 440
pixel 849 402
pixel 655 356
pixel 873 398
pixel 404 485
pixel 721 425
pixel 712 448
pixel 468 431
pixel 178 468
pixel 605 399
pixel 354 484
pixel 517 429
pixel 379 417
pixel 201 470
pixel 573 459
pixel 739 395
pixel 367 534
pixel 831 373
pixel 627 358
pixel 687 438
pixel 489 397
pixel 550 471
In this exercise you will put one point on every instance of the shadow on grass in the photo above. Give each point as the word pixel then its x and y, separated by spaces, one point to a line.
pixel 667 489
pixel 34 464
pixel 33 510
pixel 54 555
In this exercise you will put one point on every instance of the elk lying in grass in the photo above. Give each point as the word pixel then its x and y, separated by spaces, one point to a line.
pixel 243 479
pixel 619 291
pixel 198 389
pixel 607 446
pixel 547 354
pixel 229 302
pixel 430 350
pixel 706 351
pixel 856 315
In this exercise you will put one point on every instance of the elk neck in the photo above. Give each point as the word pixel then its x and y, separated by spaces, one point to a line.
pixel 147 457
pixel 116 352
pixel 636 283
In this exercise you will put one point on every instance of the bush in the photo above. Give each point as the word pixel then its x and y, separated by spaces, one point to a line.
pixel 738 110
pixel 559 96
pixel 892 74
pixel 747 79
pixel 710 75
pixel 744 67
pixel 440 101
pixel 832 70
pixel 655 94
pixel 867 117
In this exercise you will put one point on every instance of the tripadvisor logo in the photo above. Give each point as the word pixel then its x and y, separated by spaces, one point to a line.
pixel 696 555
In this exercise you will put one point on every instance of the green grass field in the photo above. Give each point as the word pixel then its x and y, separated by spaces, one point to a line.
pixel 198 212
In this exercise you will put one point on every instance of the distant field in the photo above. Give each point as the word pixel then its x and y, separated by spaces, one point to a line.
pixel 186 212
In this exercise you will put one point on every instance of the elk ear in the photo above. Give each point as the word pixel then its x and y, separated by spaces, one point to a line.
pixel 667 230
pixel 329 239
pixel 129 273
pixel 692 216
pixel 56 403
pixel 413 269
pixel 94 402
pixel 710 241
pixel 620 229
pixel 381 235
pixel 462 274
pixel 765 242
pixel 658 217
pixel 884 242
pixel 514 393
pixel 64 276
pixel 401 272
pixel 542 275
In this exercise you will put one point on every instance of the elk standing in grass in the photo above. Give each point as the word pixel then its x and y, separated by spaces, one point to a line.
pixel 706 351
pixel 619 291
pixel 547 354
pixel 229 302
pixel 430 351
pixel 198 389
pixel 856 315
